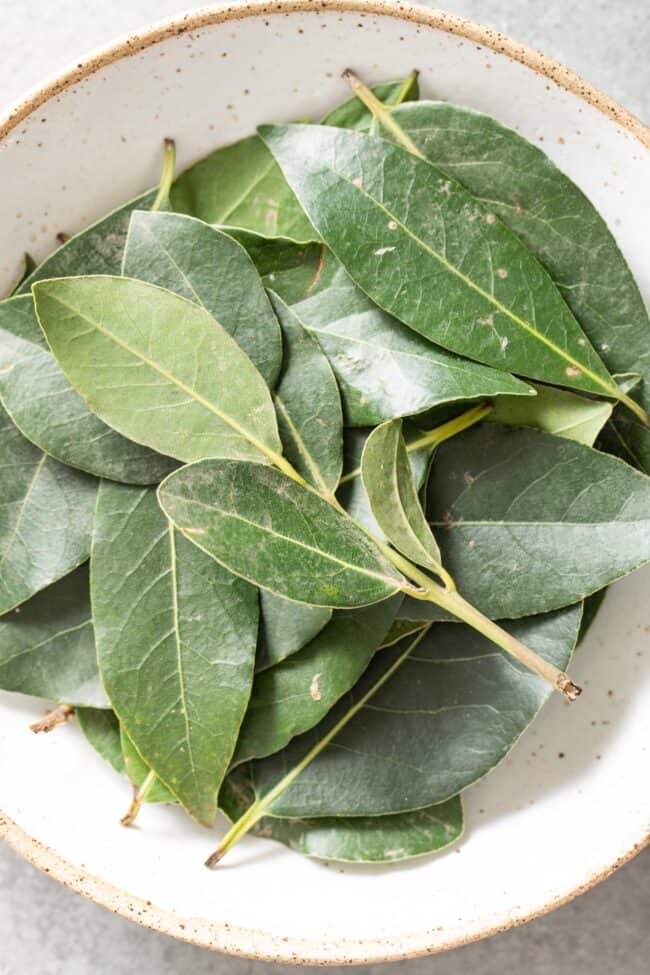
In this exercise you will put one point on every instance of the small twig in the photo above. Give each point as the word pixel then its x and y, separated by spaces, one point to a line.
pixel 60 715
pixel 139 796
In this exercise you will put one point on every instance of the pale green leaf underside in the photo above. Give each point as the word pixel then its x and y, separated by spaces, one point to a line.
pixel 554 411
pixel 157 368
pixel 266 528
pixel 393 495
pixel 176 637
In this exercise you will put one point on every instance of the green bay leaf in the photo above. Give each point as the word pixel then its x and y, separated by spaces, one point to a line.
pixel 281 536
pixel 384 370
pixel 446 713
pixel 242 186
pixel 353 114
pixel 558 223
pixel 361 839
pixel 53 416
pixel 157 368
pixel 285 628
pixel 528 522
pixel 206 266
pixel 308 406
pixel 555 411
pixel 471 287
pixel 47 646
pixel 97 249
pixel 102 730
pixel 293 696
pixel 393 495
pixel 137 770
pixel 176 637
pixel 45 517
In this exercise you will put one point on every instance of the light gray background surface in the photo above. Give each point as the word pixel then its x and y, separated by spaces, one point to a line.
pixel 45 928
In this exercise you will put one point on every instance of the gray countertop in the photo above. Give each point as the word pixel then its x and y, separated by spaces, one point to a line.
pixel 45 928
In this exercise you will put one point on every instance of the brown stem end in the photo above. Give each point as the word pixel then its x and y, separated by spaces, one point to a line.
pixel 58 716
pixel 133 810
pixel 566 686
pixel 215 858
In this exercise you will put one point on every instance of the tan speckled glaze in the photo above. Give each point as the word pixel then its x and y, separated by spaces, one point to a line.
pixel 212 934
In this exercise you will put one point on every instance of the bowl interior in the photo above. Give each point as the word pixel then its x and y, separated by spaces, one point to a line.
pixel 569 802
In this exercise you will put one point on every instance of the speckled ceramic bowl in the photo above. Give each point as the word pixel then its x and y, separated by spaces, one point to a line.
pixel 571 802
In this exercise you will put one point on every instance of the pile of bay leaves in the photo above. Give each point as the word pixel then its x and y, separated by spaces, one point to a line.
pixel 281 441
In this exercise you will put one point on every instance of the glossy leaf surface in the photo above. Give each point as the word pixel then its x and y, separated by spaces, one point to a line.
pixel 471 286
pixel 528 522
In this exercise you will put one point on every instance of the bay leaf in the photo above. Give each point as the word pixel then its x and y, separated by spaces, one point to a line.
pixel 138 770
pixel 176 638
pixel 308 406
pixel 281 536
pixel 352 493
pixel 47 646
pixel 353 114
pixel 157 368
pixel 206 266
pixel 528 522
pixel 446 714
pixel 102 730
pixel 361 839
pixel 393 495
pixel 285 628
pixel 384 370
pixel 53 416
pixel 554 411
pixel 294 695
pixel 241 185
pixel 401 628
pixel 590 609
pixel 96 249
pixel 45 517
pixel 471 286
pixel 273 254
pixel 515 180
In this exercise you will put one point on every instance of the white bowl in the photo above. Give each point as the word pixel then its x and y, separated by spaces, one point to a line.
pixel 571 802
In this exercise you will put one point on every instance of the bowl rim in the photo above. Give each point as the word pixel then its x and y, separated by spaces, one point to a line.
pixel 219 936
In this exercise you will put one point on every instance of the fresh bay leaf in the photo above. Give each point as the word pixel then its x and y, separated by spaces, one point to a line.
pixel 384 370
pixel 241 185
pixel 281 536
pixel 97 249
pixel 157 368
pixel 47 647
pixel 555 411
pixel 446 714
pixel 471 287
pixel 352 493
pixel 353 114
pixel 285 628
pixel 393 495
pixel 308 406
pixel 294 695
pixel 401 628
pixel 53 416
pixel 102 730
pixel 361 839
pixel 528 522
pixel 138 770
pixel 176 638
pixel 273 254
pixel 516 181
pixel 45 517
pixel 206 266
pixel 590 609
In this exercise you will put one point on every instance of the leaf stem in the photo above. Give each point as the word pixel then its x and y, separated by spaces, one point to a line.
pixel 258 809
pixel 167 175
pixel 439 434
pixel 383 115
pixel 60 715
pixel 139 796
pixel 406 87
